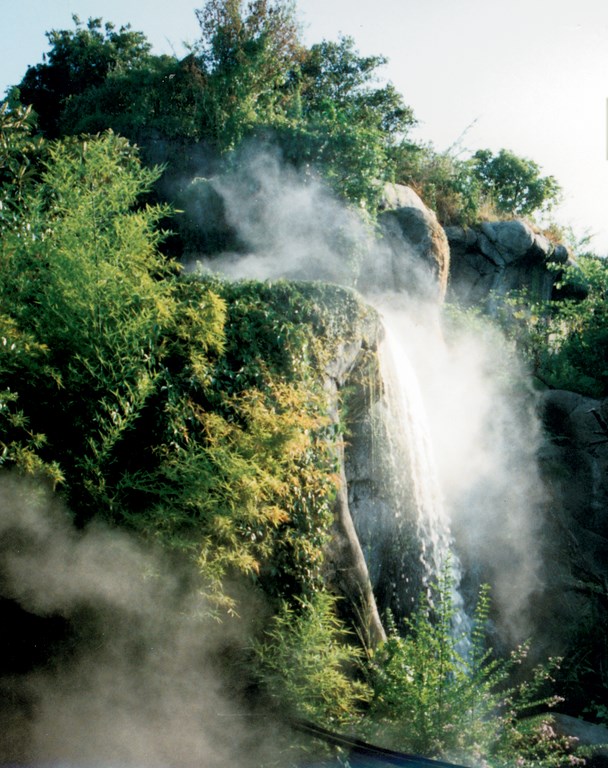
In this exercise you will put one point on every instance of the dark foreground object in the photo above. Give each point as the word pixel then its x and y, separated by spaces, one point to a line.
pixel 360 754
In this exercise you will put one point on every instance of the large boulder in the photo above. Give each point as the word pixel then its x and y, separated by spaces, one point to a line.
pixel 573 462
pixel 494 257
pixel 346 566
pixel 413 255
pixel 591 736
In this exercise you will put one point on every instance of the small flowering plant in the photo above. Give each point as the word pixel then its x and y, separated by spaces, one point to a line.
pixel 435 694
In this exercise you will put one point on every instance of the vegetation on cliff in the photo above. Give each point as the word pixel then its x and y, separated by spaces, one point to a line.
pixel 249 77
pixel 192 411
pixel 565 341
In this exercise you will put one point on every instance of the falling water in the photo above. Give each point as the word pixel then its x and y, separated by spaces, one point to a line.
pixel 409 433
pixel 413 460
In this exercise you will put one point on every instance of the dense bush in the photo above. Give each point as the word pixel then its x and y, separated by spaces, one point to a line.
pixel 565 342
pixel 442 692
pixel 187 410
pixel 484 186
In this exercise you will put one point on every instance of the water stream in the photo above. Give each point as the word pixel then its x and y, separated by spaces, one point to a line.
pixel 417 487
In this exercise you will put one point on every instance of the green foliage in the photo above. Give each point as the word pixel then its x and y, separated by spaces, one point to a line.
pixel 247 76
pixel 270 410
pixel 20 154
pixel 79 59
pixel 513 183
pixel 97 245
pixel 351 157
pixel 335 78
pixel 437 694
pixel 565 342
pixel 245 55
pixel 307 665
pixel 157 97
pixel 344 124
pixel 89 268
pixel 244 496
pixel 443 181
pixel 191 411
pixel 482 187
pixel 82 294
pixel 22 358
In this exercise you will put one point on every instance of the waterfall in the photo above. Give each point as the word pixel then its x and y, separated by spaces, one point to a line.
pixel 417 490
pixel 411 453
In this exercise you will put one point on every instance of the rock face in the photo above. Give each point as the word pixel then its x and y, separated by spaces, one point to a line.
pixel 574 462
pixel 574 468
pixel 374 558
pixel 495 257
pixel 414 254
pixel 346 568
pixel 590 735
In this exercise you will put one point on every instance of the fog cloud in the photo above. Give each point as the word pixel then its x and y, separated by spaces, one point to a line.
pixel 132 672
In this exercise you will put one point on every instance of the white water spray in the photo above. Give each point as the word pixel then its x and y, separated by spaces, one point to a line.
pixel 410 433
pixel 413 456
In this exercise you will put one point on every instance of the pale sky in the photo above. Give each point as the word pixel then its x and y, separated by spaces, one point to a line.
pixel 527 75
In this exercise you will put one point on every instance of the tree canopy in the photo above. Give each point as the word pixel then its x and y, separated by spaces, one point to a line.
pixel 513 183
pixel 248 76
pixel 79 59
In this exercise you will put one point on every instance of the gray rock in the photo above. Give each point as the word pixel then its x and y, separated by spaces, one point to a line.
pixel 586 734
pixel 574 469
pixel 510 240
pixel 346 567
pixel 413 255
pixel 495 257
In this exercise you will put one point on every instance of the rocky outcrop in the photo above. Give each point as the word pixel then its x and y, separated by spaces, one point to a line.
pixel 413 255
pixel 374 558
pixel 494 257
pixel 592 737
pixel 574 468
pixel 346 568
pixel 574 463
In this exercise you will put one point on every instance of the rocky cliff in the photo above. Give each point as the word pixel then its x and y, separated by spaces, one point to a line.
pixel 495 257
pixel 416 258
pixel 574 467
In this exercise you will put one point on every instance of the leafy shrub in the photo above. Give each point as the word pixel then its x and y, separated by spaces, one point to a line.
pixel 438 693
pixel 485 186
pixel 513 183
pixel 79 59
pixel 565 341
pixel 444 183
pixel 307 664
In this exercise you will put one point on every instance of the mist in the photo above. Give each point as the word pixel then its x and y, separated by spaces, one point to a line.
pixel 291 225
pixel 485 434
pixel 480 406
pixel 128 655
pixel 133 669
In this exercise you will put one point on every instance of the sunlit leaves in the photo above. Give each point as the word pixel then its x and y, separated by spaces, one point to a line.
pixel 514 183
pixel 306 661
pixel 441 693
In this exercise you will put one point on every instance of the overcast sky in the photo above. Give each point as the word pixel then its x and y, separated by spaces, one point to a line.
pixel 527 75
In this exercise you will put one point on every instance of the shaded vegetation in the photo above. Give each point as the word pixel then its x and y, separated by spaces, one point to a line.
pixel 458 700
pixel 565 342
